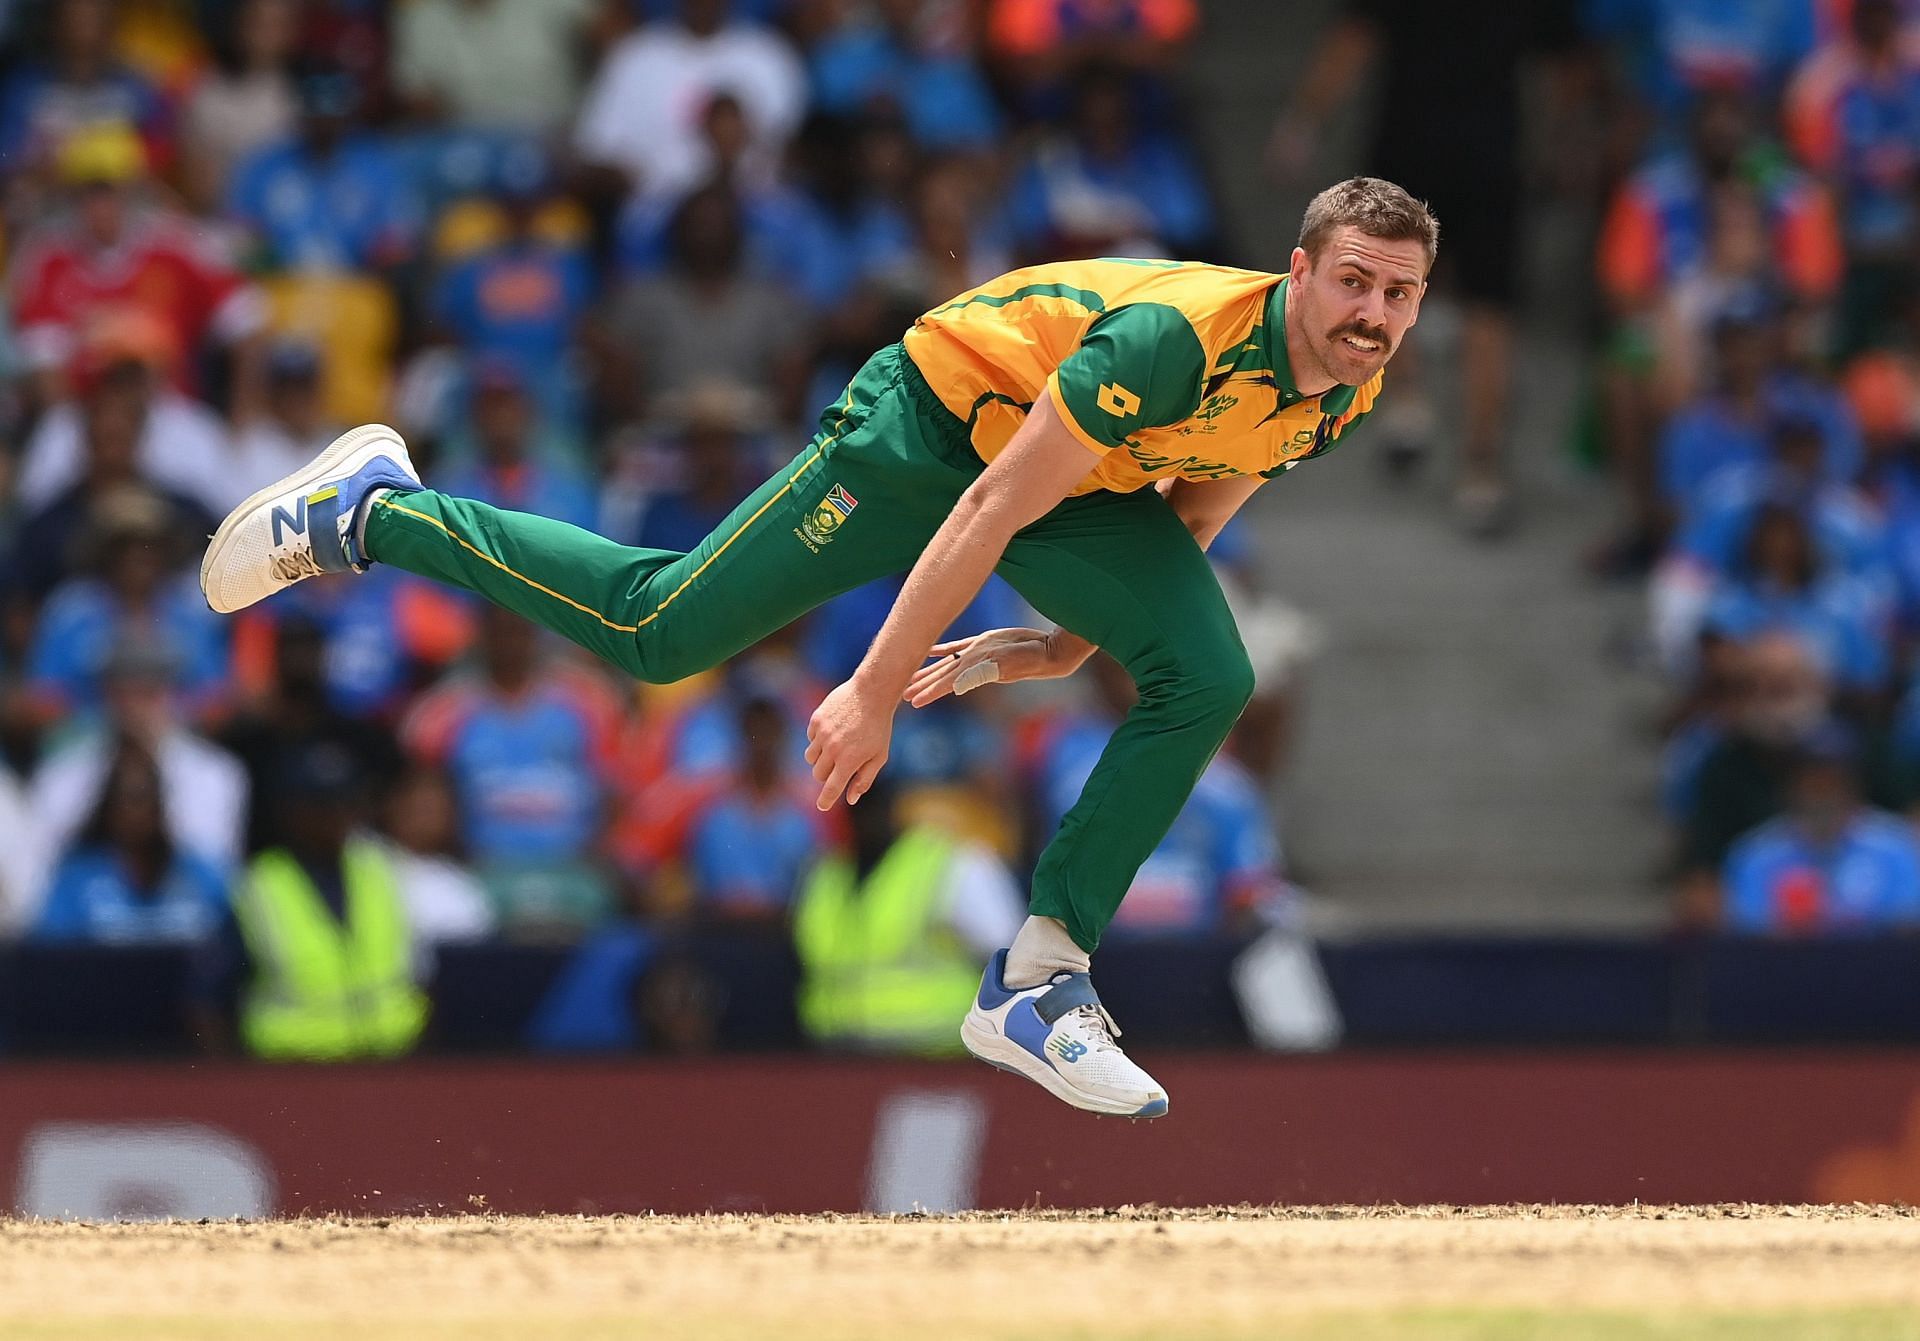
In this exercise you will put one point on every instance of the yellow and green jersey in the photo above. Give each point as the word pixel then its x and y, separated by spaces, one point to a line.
pixel 1162 368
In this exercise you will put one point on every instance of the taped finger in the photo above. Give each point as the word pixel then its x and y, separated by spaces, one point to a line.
pixel 981 672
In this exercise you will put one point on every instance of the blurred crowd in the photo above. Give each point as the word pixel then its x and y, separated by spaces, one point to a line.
pixel 1759 400
pixel 597 259
pixel 601 259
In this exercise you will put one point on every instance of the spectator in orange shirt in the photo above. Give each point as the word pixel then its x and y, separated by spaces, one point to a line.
pixel 1660 233
pixel 1853 116
pixel 1042 42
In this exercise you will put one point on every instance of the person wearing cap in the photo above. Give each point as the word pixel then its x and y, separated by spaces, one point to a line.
pixel 113 251
pixel 136 590
pixel 1831 865
pixel 327 198
pixel 291 424
pixel 325 928
pixel 715 461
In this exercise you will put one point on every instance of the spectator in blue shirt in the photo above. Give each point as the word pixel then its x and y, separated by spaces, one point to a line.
pixel 528 743
pixel 888 56
pixel 1728 427
pixel 123 882
pixel 1110 186
pixel 1850 535
pixel 1831 865
pixel 716 465
pixel 747 847
pixel 1677 48
pixel 1782 584
pixel 789 236
pixel 508 471
pixel 80 83
pixel 519 302
pixel 330 198
pixel 136 596
pixel 1217 869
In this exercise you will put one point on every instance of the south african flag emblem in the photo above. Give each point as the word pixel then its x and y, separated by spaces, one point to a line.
pixel 842 502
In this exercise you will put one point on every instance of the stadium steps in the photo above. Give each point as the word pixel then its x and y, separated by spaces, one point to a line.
pixel 1469 753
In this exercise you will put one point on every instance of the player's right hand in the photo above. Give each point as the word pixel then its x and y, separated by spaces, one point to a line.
pixel 998 656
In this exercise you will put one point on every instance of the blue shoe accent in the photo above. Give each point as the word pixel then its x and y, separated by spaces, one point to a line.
pixel 343 499
pixel 994 992
pixel 1025 1027
pixel 1158 1108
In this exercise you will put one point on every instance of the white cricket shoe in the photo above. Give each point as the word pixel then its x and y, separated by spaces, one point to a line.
pixel 303 525
pixel 1060 1036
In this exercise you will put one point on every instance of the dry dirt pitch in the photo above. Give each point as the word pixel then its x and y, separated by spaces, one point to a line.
pixel 1351 1274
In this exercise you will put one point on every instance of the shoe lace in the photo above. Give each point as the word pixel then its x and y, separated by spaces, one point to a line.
pixel 295 564
pixel 1101 1030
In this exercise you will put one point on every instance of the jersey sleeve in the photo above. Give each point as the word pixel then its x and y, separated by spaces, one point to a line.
pixel 1140 366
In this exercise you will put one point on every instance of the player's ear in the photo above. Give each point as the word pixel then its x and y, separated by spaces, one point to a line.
pixel 1299 266
pixel 1418 299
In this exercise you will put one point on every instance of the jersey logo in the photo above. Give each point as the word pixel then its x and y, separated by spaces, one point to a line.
pixel 818 527
pixel 1117 400
pixel 1215 407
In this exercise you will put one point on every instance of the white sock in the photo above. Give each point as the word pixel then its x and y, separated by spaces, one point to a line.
pixel 360 520
pixel 1042 949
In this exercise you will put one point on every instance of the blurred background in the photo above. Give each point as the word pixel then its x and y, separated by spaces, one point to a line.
pixel 1585 722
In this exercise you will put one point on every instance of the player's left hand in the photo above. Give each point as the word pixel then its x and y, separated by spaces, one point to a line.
pixel 847 740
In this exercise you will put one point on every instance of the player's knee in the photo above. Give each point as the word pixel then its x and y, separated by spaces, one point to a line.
pixel 655 661
pixel 1220 686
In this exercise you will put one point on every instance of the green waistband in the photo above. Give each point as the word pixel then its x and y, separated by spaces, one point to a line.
pixel 949 437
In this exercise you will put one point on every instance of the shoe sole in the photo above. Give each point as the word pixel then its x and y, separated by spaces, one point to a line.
pixel 342 457
pixel 991 1047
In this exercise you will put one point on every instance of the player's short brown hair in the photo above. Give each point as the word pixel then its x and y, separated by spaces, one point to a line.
pixel 1377 208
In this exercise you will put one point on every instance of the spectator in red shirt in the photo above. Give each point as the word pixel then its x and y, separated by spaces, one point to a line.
pixel 117 253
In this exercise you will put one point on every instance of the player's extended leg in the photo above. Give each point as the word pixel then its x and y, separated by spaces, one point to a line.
pixel 1122 571
pixel 859 503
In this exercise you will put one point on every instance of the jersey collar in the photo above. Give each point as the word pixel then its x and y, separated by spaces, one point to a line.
pixel 1336 401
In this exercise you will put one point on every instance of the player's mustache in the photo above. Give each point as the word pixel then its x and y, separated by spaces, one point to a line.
pixel 1365 332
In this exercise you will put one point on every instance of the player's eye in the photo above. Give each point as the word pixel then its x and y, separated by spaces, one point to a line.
pixel 1350 282
pixel 1396 294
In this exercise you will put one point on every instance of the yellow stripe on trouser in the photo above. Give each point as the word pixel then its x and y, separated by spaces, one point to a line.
pixel 615 625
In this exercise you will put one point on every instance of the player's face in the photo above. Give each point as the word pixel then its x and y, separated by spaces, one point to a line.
pixel 1356 301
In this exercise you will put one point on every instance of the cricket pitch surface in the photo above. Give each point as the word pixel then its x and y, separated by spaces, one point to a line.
pixel 1568 1273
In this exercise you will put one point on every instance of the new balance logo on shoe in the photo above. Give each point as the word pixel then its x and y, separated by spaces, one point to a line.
pixel 295 521
pixel 1068 1049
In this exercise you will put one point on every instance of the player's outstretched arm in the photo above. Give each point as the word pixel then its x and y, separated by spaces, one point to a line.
pixel 849 732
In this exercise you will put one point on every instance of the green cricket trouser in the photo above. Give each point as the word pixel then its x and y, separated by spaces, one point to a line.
pixel 861 502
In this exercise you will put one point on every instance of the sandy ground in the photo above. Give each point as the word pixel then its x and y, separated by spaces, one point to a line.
pixel 1561 1272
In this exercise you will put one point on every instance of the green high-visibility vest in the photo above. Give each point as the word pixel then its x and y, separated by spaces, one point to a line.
pixel 324 991
pixel 881 970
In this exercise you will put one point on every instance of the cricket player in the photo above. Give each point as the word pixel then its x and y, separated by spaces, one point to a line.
pixel 1084 429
